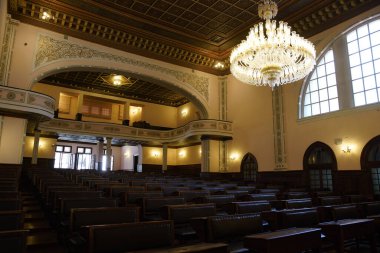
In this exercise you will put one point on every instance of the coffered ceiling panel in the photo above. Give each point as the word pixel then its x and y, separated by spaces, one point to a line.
pixel 192 33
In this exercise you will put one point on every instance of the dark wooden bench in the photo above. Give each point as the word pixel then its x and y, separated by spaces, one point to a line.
pixel 11 220
pixel 298 203
pixel 10 204
pixel 81 217
pixel 152 206
pixel 248 207
pixel 13 241
pixel 140 237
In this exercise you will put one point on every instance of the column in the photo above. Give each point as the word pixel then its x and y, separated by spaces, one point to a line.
pixel 100 153
pixel 37 134
pixel 205 164
pixel 223 164
pixel 222 98
pixel 79 107
pixel 6 50
pixel 278 129
pixel 108 153
pixel 164 157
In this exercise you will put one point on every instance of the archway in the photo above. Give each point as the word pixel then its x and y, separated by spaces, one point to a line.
pixel 319 162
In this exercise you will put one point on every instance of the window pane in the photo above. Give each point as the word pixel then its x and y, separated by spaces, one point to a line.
pixel 353 47
pixel 364 43
pixel 362 31
pixel 369 82
pixel 334 105
pixel 359 99
pixel 323 95
pixel 314 97
pixel 356 72
pixel 376 52
pixel 307 111
pixel 366 55
pixel 333 92
pixel 307 99
pixel 315 109
pixel 374 26
pixel 325 107
pixel 351 36
pixel 371 96
pixel 357 85
pixel 375 38
pixel 331 80
pixel 330 68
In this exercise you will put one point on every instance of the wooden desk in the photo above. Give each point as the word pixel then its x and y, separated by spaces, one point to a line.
pixel 341 230
pixel 291 240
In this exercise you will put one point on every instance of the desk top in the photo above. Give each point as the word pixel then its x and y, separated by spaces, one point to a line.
pixel 283 233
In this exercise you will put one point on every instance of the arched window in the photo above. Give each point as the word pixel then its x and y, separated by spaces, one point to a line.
pixel 249 167
pixel 370 160
pixel 320 162
pixel 347 74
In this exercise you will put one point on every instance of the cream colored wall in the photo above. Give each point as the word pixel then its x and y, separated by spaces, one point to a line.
pixel 184 118
pixel 250 110
pixel 46 147
pixel 188 155
pixel 354 126
pixel 12 139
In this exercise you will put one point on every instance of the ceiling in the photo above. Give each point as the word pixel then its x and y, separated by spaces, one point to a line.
pixel 133 88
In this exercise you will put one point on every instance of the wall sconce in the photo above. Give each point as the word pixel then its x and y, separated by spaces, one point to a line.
pixel 234 156
pixel 347 149
pixel 184 112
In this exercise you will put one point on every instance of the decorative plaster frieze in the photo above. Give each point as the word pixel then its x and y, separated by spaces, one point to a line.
pixel 203 127
pixel 24 101
pixel 51 49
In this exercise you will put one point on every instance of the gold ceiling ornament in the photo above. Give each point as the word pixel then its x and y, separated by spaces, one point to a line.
pixel 272 54
pixel 118 80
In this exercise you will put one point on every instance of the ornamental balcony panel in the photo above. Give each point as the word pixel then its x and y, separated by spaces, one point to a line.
pixel 26 104
pixel 212 128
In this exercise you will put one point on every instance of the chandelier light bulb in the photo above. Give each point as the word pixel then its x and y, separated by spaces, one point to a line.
pixel 272 53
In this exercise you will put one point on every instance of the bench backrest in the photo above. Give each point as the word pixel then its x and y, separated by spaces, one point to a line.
pixel 68 204
pixel 249 207
pixel 13 241
pixel 233 226
pixel 130 236
pixel 344 212
pixel 11 220
pixel 301 219
pixel 102 215
pixel 153 205
pixel 298 203
pixel 182 214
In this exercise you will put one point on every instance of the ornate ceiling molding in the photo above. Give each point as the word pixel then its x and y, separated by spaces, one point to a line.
pixel 50 49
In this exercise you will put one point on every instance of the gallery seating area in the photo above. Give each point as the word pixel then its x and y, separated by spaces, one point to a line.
pixel 89 211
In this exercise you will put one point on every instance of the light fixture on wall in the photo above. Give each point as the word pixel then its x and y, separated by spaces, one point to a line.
pixel 347 149
pixel 272 54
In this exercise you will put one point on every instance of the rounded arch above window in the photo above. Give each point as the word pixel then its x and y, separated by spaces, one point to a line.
pixel 347 74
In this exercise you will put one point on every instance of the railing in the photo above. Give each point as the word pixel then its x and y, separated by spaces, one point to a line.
pixel 208 127
pixel 25 103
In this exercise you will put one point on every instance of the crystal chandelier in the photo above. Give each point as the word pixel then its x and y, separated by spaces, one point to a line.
pixel 272 54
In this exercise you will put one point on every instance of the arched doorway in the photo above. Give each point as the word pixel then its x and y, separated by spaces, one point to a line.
pixel 370 162
pixel 319 161
pixel 249 167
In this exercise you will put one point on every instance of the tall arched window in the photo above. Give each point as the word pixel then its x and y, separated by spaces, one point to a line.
pixel 320 162
pixel 347 74
pixel 249 167
pixel 370 160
